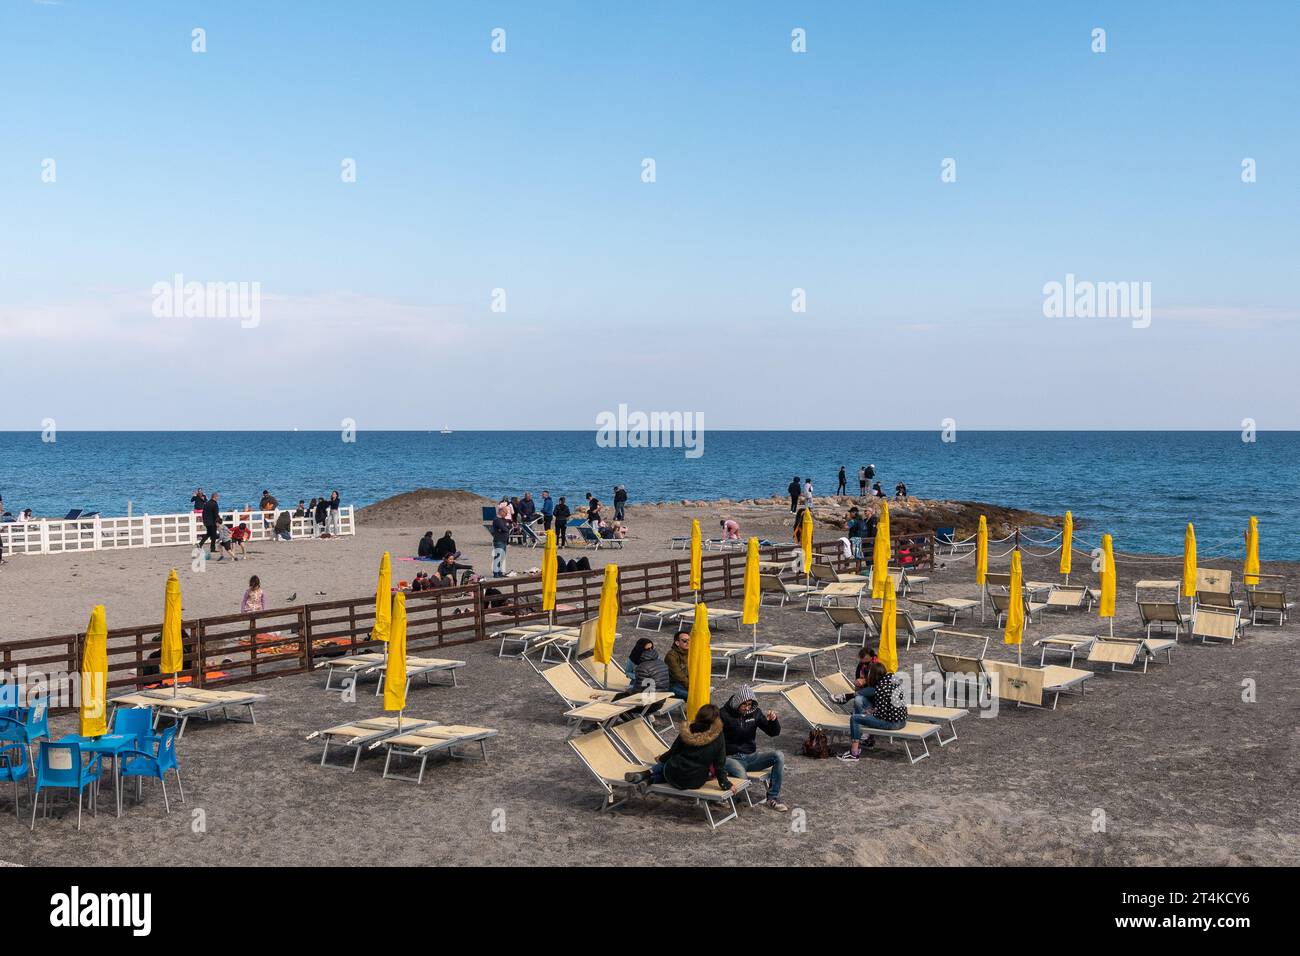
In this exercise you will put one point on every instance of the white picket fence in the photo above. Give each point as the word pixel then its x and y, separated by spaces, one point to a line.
pixel 57 535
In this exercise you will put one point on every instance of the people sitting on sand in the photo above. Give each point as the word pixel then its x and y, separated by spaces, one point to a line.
pixel 698 749
pixel 679 671
pixel 283 527
pixel 254 597
pixel 417 582
pixel 730 529
pixel 742 718
pixel 888 709
pixel 447 570
pixel 425 548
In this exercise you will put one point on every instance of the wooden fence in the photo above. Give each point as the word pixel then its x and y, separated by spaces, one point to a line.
pixel 57 535
pixel 240 648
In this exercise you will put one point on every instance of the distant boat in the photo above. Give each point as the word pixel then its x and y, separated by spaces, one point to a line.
pixel 445 430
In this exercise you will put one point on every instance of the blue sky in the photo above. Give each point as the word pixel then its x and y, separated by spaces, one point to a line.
pixel 775 171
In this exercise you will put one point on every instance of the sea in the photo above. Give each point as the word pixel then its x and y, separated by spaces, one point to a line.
pixel 1140 486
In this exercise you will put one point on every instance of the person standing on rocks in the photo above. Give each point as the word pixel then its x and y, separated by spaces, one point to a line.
pixel 794 489
pixel 842 488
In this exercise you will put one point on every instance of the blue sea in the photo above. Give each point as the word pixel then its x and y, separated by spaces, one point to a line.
pixel 1142 487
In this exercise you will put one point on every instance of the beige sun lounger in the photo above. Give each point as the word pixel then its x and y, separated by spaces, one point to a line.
pixel 1268 602
pixel 640 741
pixel 1072 644
pixel 905 581
pixel 783 655
pixel 604 677
pixel 839 684
pixel 663 611
pixel 1162 614
pixel 424 742
pixel 834 593
pixel 847 616
pixel 565 679
pixel 1001 602
pixel 818 715
pixel 358 665
pixel 1069 597
pixel 360 734
pixel 951 606
pixel 189 702
pixel 771 585
pixel 726 653
pixel 1030 685
pixel 528 636
pixel 1215 623
pixel 1214 588
pixel 904 624
pixel 609 766
pixel 1123 654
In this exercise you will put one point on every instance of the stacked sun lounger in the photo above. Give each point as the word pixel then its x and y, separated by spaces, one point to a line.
pixel 182 703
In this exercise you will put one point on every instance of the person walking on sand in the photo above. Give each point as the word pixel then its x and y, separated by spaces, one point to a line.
pixel 211 518
pixel 794 489
pixel 842 488
pixel 620 503
pixel 254 598
pixel 561 514
pixel 548 510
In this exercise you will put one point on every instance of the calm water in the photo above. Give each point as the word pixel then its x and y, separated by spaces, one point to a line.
pixel 1140 486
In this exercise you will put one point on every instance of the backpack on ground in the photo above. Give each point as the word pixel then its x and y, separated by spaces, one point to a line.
pixel 815 746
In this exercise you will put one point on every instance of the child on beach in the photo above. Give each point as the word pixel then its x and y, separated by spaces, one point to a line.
pixel 254 598
pixel 241 534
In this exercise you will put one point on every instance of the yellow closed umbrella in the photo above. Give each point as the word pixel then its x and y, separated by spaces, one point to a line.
pixel 1251 570
pixel 173 653
pixel 94 676
pixel 607 619
pixel 1106 607
pixel 697 558
pixel 1189 562
pixel 1015 629
pixel 887 651
pixel 383 600
pixel 1067 545
pixel 550 568
pixel 880 554
pixel 982 560
pixel 805 540
pixel 749 607
pixel 699 663
pixel 395 674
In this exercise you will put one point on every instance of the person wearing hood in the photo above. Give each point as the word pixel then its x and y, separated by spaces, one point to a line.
pixel 794 488
pixel 741 720
pixel 444 546
pixel 645 668
pixel 686 764
pixel 425 548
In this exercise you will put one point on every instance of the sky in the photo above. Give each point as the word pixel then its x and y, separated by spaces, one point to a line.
pixel 523 171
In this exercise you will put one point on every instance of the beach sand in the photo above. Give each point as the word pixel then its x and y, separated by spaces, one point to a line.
pixel 1183 770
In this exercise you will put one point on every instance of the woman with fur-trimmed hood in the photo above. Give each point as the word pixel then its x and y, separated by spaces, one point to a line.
pixel 698 753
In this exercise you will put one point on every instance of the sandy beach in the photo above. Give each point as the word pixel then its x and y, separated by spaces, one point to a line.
pixel 1183 769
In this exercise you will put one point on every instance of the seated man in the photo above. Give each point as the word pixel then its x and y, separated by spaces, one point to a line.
pixel 679 678
pixel 741 720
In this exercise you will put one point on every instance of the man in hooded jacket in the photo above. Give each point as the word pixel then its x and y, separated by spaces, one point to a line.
pixel 741 720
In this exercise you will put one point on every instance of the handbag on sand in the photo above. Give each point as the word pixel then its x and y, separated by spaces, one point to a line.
pixel 815 746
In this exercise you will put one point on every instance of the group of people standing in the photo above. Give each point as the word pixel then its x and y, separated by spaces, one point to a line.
pixel 523 518
pixel 322 513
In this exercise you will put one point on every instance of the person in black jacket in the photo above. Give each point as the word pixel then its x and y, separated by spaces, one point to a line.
pixel 741 721
pixel 842 488
pixel 425 547
pixel 647 670
pixel 211 518
pixel 795 489
pixel 620 502
pixel 686 764
pixel 444 546
pixel 321 516
pixel 561 515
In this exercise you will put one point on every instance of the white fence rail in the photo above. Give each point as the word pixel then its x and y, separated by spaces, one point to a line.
pixel 57 535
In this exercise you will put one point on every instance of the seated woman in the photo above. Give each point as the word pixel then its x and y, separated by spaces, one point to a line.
pixel 687 763
pixel 888 709
pixel 616 530
pixel 425 547
pixel 447 569
pixel 645 668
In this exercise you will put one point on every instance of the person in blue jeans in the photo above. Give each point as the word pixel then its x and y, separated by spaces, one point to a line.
pixel 888 709
pixel 741 721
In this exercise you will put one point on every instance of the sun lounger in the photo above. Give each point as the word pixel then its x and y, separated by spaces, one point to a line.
pixel 1269 602
pixel 357 735
pixel 1161 614
pixel 358 665
pixel 832 594
pixel 1216 623
pixel 1072 644
pixel 590 536
pixel 192 702
pixel 1123 654
pixel 904 625
pixel 532 636
pixel 1001 602
pixel 664 611
pixel 609 766
pixel 569 684
pixel 905 582
pixel 640 741
pixel 726 652
pixel 769 585
pixel 838 685
pixel 952 606
pixel 423 742
pixel 783 655
pixel 1031 685
pixel 1069 597
pixel 1214 589
pixel 847 617
pixel 818 715
pixel 605 677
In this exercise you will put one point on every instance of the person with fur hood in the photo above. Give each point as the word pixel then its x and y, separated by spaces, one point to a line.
pixel 697 754
pixel 742 719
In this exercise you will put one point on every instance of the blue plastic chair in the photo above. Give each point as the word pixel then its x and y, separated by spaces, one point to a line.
pixel 135 722
pixel 14 765
pixel 142 763
pixel 59 767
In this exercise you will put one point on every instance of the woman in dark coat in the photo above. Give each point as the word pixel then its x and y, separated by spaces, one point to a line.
pixel 698 753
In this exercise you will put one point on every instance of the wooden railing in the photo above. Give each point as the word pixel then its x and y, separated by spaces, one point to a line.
pixel 240 648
